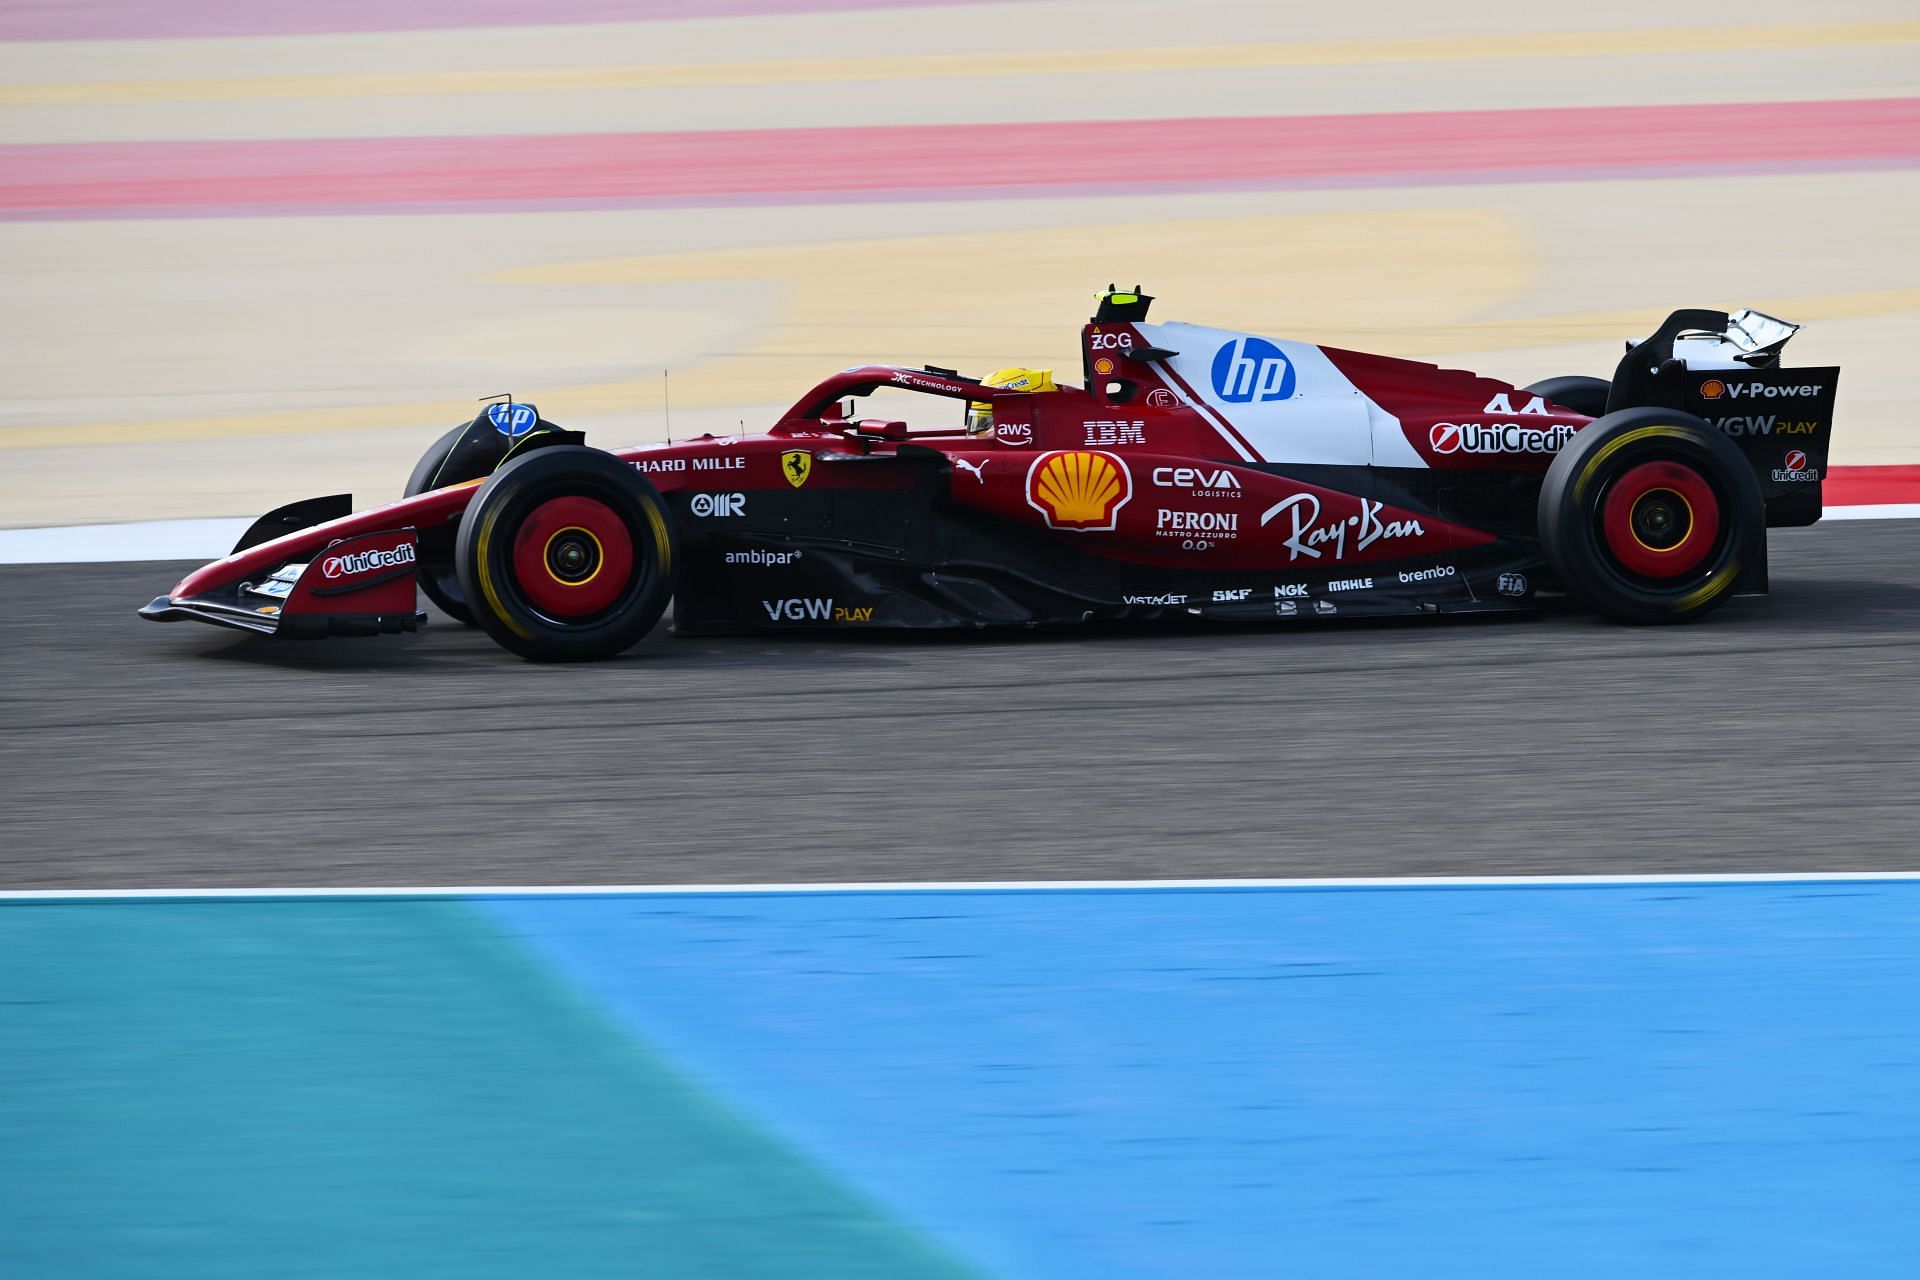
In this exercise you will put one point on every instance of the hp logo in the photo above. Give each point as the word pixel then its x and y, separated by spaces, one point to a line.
pixel 512 420
pixel 1251 369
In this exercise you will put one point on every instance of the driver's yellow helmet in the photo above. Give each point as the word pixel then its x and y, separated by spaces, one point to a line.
pixel 980 412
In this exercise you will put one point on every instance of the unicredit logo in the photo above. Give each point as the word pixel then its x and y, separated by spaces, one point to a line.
pixel 366 561
pixel 1796 460
pixel 1499 437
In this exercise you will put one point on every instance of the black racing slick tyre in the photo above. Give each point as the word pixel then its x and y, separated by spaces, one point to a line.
pixel 435 570
pixel 1650 515
pixel 1575 391
pixel 567 555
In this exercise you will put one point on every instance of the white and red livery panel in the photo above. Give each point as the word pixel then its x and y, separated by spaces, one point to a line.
pixel 1279 401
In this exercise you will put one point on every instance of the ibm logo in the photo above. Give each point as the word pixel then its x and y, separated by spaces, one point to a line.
pixel 1251 369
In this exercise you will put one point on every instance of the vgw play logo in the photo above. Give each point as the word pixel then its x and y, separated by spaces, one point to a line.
pixel 1251 370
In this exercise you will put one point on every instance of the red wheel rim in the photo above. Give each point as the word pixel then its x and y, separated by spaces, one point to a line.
pixel 1661 520
pixel 572 557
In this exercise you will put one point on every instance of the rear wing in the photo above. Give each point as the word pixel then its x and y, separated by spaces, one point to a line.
pixel 1726 369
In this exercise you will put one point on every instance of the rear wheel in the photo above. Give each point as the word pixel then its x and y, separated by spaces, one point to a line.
pixel 1649 515
pixel 567 555
pixel 1575 391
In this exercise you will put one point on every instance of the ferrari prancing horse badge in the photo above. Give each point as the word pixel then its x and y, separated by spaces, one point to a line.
pixel 796 465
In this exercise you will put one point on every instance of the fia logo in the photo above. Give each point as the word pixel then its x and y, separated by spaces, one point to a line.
pixel 1251 369
pixel 512 420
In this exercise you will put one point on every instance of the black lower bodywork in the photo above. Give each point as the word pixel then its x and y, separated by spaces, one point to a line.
pixel 907 557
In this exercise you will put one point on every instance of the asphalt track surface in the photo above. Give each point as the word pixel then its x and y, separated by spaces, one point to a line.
pixel 1779 735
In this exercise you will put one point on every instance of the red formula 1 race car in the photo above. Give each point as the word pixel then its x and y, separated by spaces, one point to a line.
pixel 1198 473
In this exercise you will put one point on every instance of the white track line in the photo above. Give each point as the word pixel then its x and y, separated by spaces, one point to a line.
pixel 1875 511
pixel 975 886
pixel 115 543
pixel 213 538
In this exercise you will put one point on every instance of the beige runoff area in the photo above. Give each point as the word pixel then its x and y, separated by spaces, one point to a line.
pixel 1056 60
pixel 194 367
pixel 1673 65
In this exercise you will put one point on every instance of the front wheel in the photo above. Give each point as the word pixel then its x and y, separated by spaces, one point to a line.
pixel 435 569
pixel 566 554
pixel 467 452
pixel 1649 515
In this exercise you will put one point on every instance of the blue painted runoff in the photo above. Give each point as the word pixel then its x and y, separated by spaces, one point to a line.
pixel 1569 1081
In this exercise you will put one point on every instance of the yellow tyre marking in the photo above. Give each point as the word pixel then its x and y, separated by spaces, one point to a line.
pixel 1708 590
pixel 1614 446
pixel 486 577
pixel 660 538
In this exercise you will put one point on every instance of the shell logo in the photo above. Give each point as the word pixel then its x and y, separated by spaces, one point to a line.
pixel 1712 389
pixel 1079 489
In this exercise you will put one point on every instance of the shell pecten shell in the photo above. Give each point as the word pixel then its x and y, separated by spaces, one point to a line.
pixel 1079 489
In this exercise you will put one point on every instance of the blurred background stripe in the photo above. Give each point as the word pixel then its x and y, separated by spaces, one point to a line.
pixel 138 19
pixel 774 165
